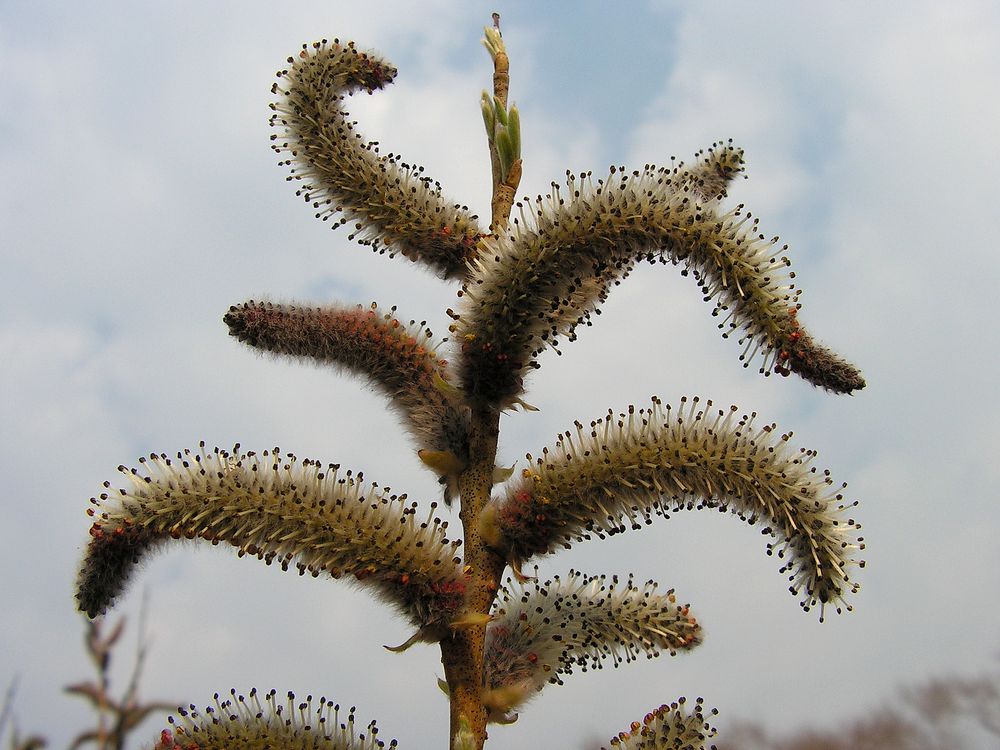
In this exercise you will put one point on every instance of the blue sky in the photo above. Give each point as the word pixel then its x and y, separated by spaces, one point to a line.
pixel 139 199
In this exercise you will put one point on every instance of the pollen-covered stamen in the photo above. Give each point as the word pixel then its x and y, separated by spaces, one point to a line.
pixel 678 726
pixel 283 722
pixel 624 469
pixel 561 255
pixel 712 171
pixel 542 631
pixel 402 360
pixel 317 519
pixel 391 205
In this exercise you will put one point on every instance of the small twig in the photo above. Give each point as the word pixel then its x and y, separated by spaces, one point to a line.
pixel 116 718
pixel 8 704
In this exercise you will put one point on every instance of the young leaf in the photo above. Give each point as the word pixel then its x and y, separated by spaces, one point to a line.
pixel 244 723
pixel 298 514
pixel 624 469
pixel 558 260
pixel 392 204
pixel 542 631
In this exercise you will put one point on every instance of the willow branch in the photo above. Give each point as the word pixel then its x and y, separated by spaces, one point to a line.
pixel 462 654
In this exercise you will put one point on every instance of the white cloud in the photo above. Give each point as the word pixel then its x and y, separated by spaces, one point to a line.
pixel 139 200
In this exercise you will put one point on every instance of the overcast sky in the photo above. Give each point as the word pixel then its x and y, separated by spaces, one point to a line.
pixel 140 199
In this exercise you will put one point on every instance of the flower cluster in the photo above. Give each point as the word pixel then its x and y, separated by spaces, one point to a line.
pixel 542 631
pixel 399 359
pixel 246 723
pixel 673 727
pixel 297 514
pixel 392 204
pixel 623 469
pixel 557 262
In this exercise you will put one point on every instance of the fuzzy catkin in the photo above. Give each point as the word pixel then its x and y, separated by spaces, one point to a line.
pixel 560 257
pixel 622 470
pixel 247 723
pixel 399 359
pixel 390 205
pixel 542 631
pixel 678 726
pixel 314 518
pixel 712 171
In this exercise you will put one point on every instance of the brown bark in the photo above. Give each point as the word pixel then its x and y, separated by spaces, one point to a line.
pixel 462 651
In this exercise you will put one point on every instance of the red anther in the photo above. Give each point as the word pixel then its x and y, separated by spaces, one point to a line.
pixel 523 496
pixel 119 531
pixel 166 738
pixel 795 335
pixel 523 617
pixel 446 231
pixel 540 518
pixel 636 726
pixel 404 579
pixel 782 355
pixel 533 657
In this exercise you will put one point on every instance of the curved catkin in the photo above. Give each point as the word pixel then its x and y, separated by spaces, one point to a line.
pixel 542 631
pixel 399 359
pixel 679 726
pixel 390 205
pixel 249 723
pixel 317 519
pixel 623 469
pixel 562 254
pixel 712 171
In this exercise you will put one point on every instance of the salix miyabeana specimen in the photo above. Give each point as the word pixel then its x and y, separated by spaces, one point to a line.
pixel 528 280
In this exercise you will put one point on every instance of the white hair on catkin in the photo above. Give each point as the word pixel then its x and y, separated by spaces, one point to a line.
pixel 559 258
pixel 624 469
pixel 393 206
